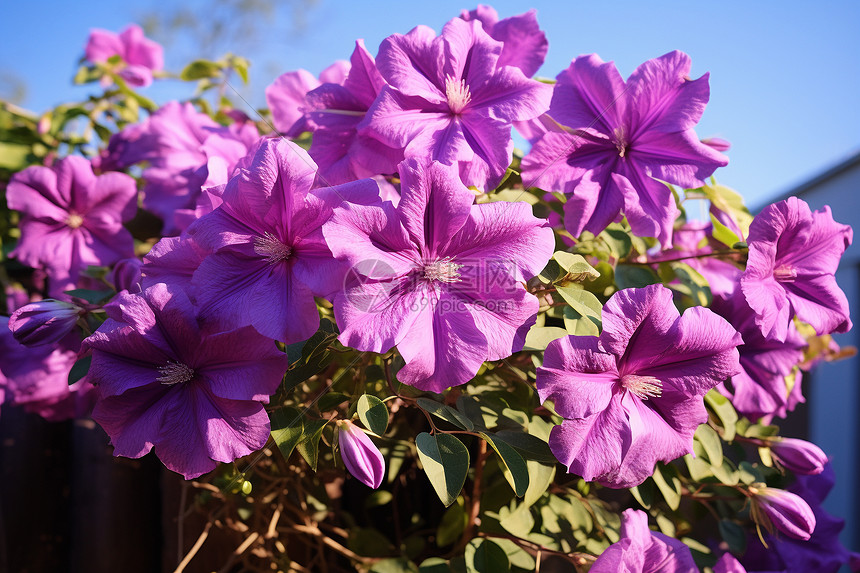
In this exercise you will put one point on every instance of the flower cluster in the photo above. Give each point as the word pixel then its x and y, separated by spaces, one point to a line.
pixel 377 271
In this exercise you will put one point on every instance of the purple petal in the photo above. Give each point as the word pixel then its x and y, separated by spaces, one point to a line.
pixel 525 44
pixel 588 95
pixel 594 446
pixel 577 376
pixel 677 157
pixel 286 96
pixel 662 96
pixel 443 347
pixel 648 204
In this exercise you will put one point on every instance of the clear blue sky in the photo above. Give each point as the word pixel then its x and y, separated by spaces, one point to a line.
pixel 785 76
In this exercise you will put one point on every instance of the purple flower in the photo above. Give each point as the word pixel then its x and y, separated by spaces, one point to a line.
pixel 633 396
pixel 822 553
pixel 171 142
pixel 620 139
pixel 44 322
pixel 786 511
pixel 760 389
pixel 524 45
pixel 334 112
pixel 799 456
pixel 141 56
pixel 641 550
pixel 793 256
pixel 268 257
pixel 195 395
pixel 126 275
pixel 728 564
pixel 37 378
pixel 172 260
pixel 448 100
pixel 360 456
pixel 71 218
pixel 438 277
pixel 286 96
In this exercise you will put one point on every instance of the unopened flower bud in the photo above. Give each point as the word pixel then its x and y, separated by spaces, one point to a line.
pixel 785 510
pixel 43 322
pixel 799 456
pixel 126 275
pixel 360 456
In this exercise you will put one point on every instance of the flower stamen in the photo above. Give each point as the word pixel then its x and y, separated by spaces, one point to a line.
pixel 620 141
pixel 643 386
pixel 74 221
pixel 458 94
pixel 175 373
pixel 785 273
pixel 271 248
pixel 442 270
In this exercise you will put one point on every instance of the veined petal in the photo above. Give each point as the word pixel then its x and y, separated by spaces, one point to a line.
pixel 577 376
pixel 434 204
pixel 595 446
pixel 588 94
pixel 648 204
pixel 662 97
pixel 413 63
pixel 677 157
pixel 442 348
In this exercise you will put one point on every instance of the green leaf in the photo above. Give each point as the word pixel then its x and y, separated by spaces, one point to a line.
pixel 453 524
pixel 582 301
pixel 80 369
pixel 711 442
pixel 540 336
pixel 730 202
pixel 517 556
pixel 699 469
pixel 693 284
pixel 530 447
pixel 446 463
pixel 514 466
pixel 726 473
pixel 484 556
pixel 434 565
pixel 199 69
pixel 86 74
pixel 722 233
pixel 724 411
pixel 618 240
pixel 540 477
pixel 578 325
pixel 287 427
pixel 446 413
pixel 331 400
pixel 634 276
pixel 551 272
pixel 309 445
pixel 14 157
pixel 91 296
pixel 378 498
pixel 749 474
pixel 518 522
pixel 644 493
pixel 666 479
pixel 577 268
pixel 372 413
